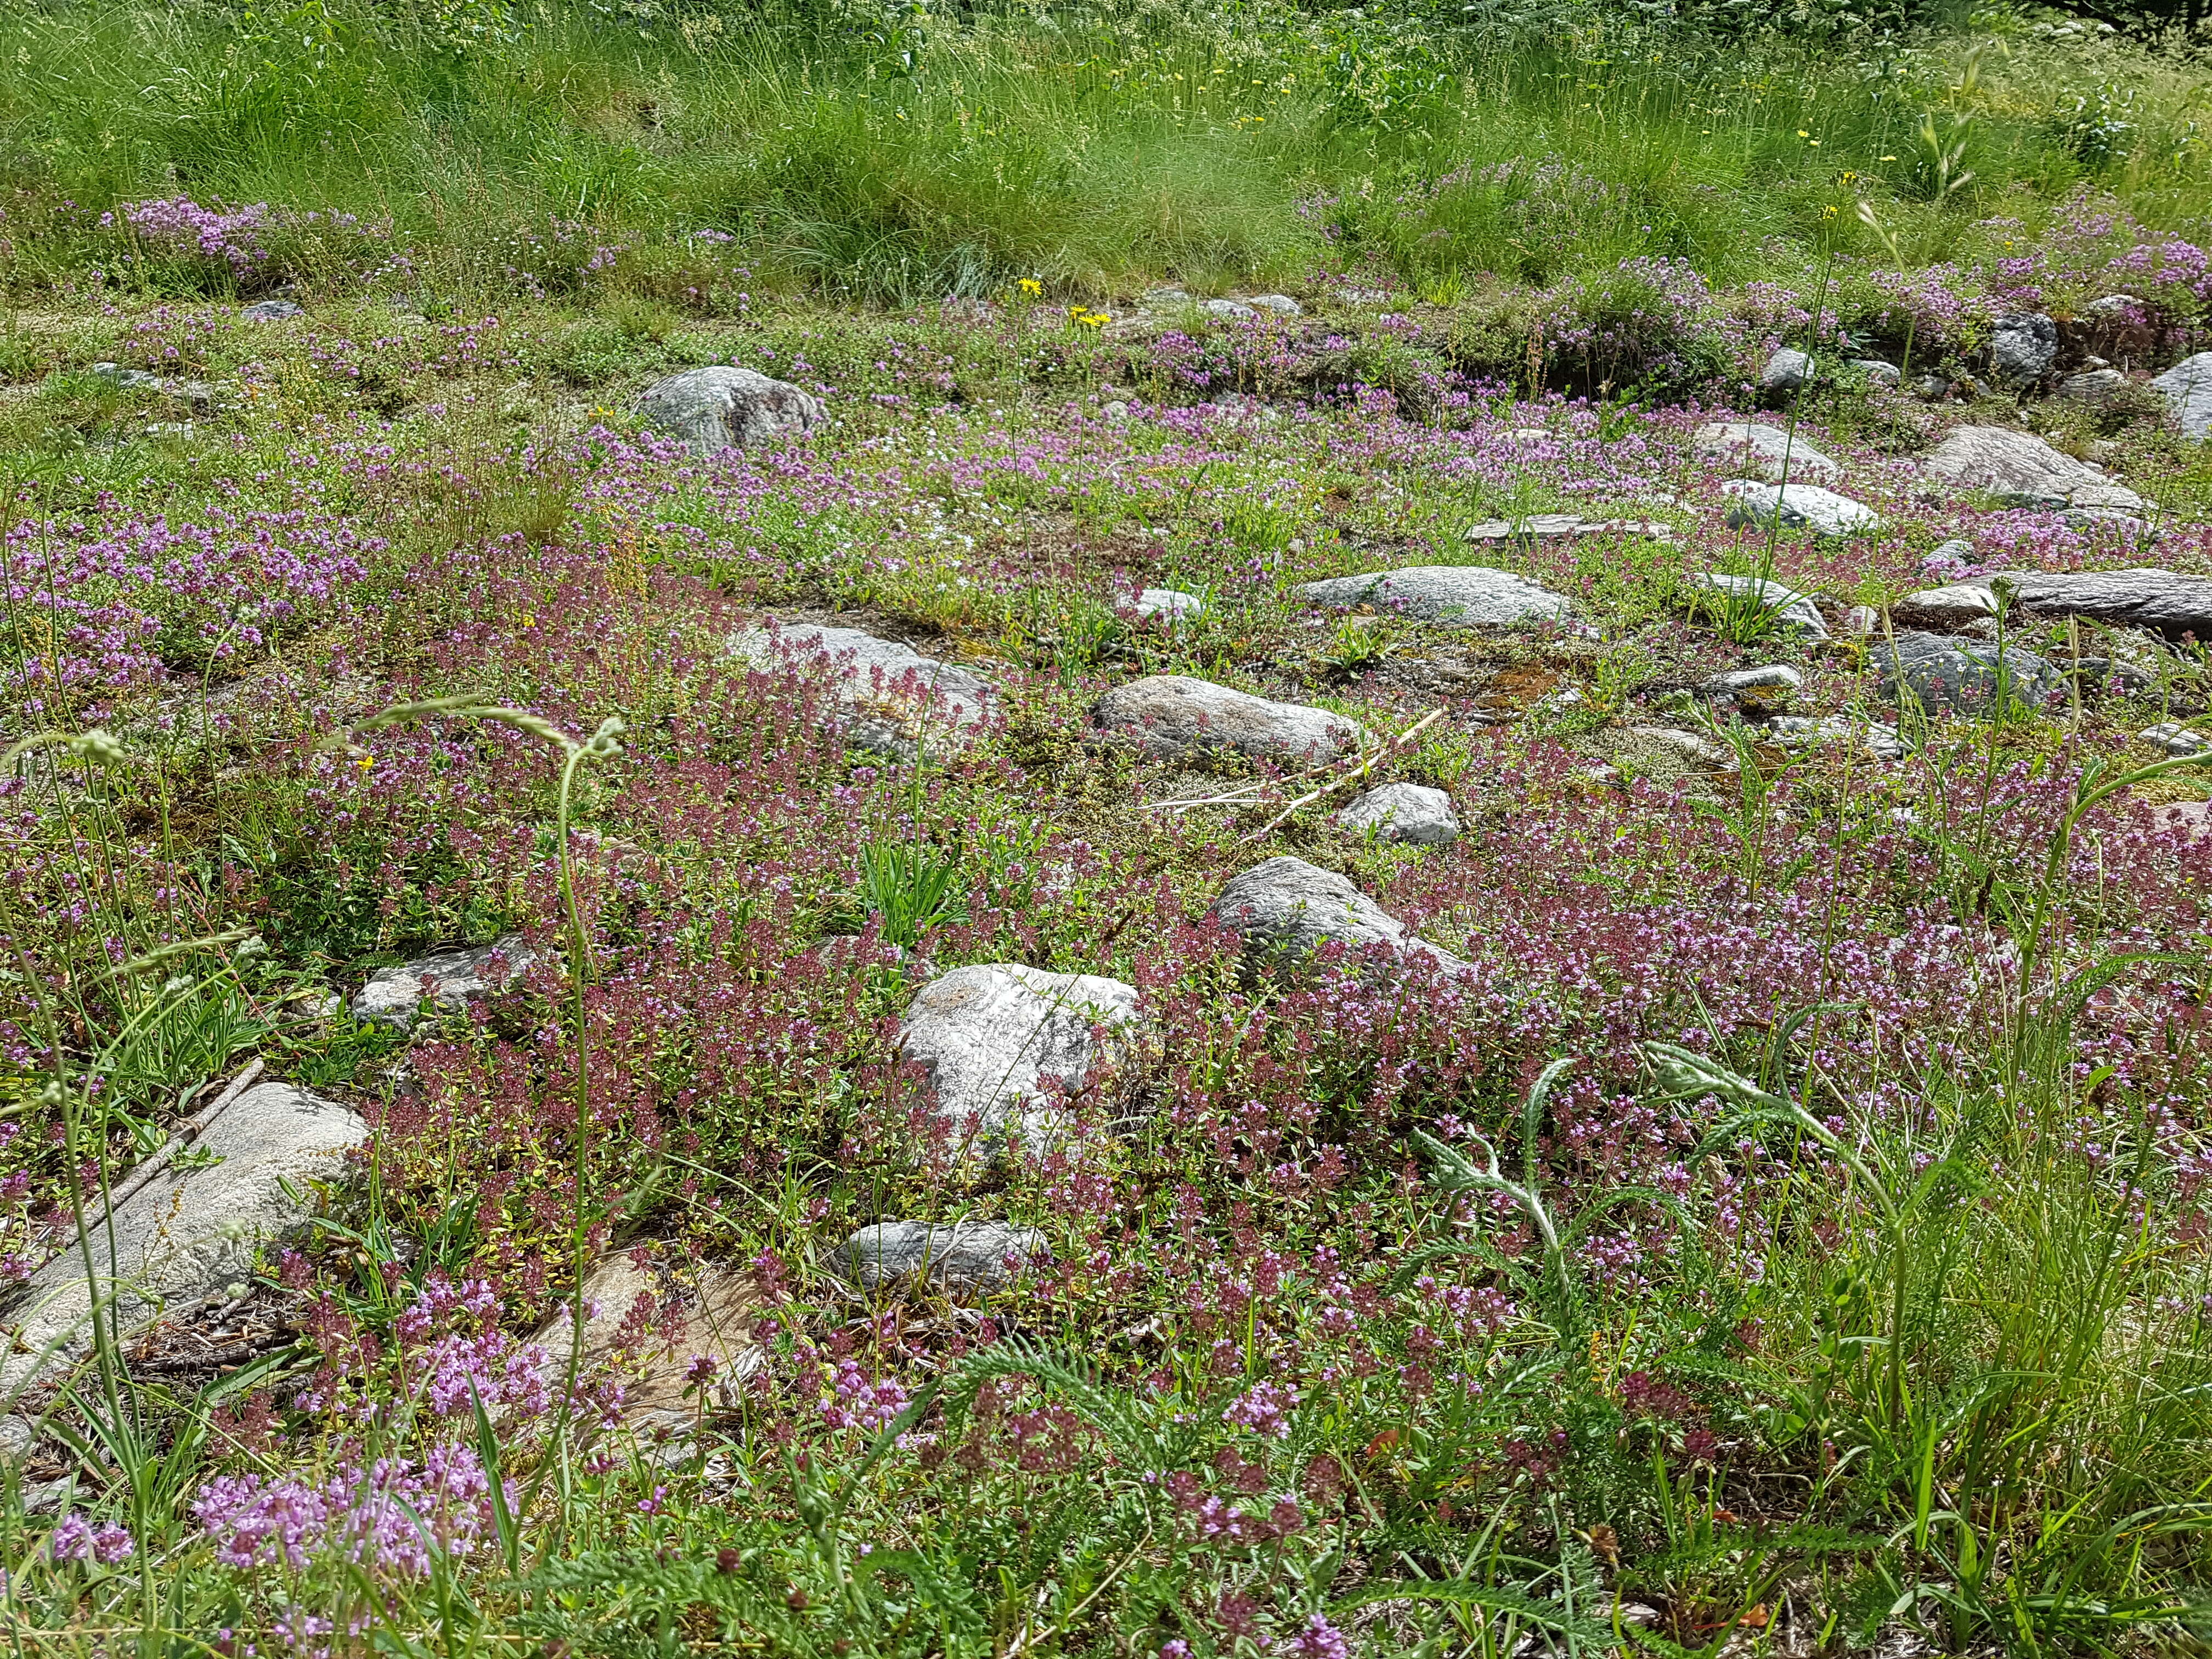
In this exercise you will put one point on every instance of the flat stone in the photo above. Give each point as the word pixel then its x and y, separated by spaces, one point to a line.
pixel 1698 749
pixel 1878 372
pixel 2093 385
pixel 1791 608
pixel 1174 714
pixel 1950 607
pixel 447 978
pixel 2022 349
pixel 2175 738
pixel 1945 675
pixel 1761 450
pixel 1288 906
pixel 1809 731
pixel 1170 605
pixel 269 310
pixel 647 1325
pixel 2187 389
pixel 1538 528
pixel 1462 595
pixel 1773 676
pixel 1229 310
pixel 1409 812
pixel 1860 620
pixel 1947 557
pixel 2021 470
pixel 1281 304
pixel 2141 597
pixel 188 1235
pixel 990 1035
pixel 974 1256
pixel 892 699
pixel 1798 507
pixel 130 380
pixel 719 407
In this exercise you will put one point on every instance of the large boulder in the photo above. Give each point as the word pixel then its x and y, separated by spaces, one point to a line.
pixel 1464 595
pixel 892 699
pixel 1288 908
pixel 1765 451
pixel 1789 607
pixel 1785 374
pixel 1175 714
pixel 1409 812
pixel 1797 507
pixel 1950 676
pixel 720 408
pixel 2022 349
pixel 990 1037
pixel 2021 470
pixel 2187 388
pixel 447 979
pixel 972 1256
pixel 189 1234
pixel 2140 597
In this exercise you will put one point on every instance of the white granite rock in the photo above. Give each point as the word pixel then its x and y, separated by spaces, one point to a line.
pixel 989 1034
pixel 1464 595
pixel 1169 604
pixel 1763 449
pixel 971 1256
pixel 719 407
pixel 2021 470
pixel 1791 608
pixel 1797 507
pixel 1951 606
pixel 188 1235
pixel 2187 388
pixel 1409 812
pixel 1290 908
pixel 892 699
pixel 1174 714
pixel 447 978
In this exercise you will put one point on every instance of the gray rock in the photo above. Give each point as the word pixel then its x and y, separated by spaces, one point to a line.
pixel 1879 373
pixel 1170 605
pixel 393 995
pixel 130 380
pixel 1402 812
pixel 2021 470
pixel 1791 608
pixel 2093 385
pixel 704 1310
pixel 967 1255
pixel 2022 349
pixel 1786 371
pixel 2165 601
pixel 2107 307
pixel 1175 714
pixel 1948 554
pixel 1281 304
pixel 2187 388
pixel 1761 450
pixel 892 700
pixel 1798 507
pixel 2175 738
pixel 1860 621
pixel 1950 607
pixel 988 1036
pixel 1773 677
pixel 1943 676
pixel 1229 310
pixel 1536 527
pixel 188 1235
pixel 1289 907
pixel 1698 749
pixel 719 408
pixel 1807 730
pixel 269 310
pixel 1463 595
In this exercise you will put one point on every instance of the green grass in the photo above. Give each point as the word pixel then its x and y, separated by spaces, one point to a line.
pixel 905 159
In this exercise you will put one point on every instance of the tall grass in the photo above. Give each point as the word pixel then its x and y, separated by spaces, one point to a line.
pixel 907 156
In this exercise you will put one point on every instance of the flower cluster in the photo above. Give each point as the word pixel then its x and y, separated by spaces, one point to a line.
pixel 394 1517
